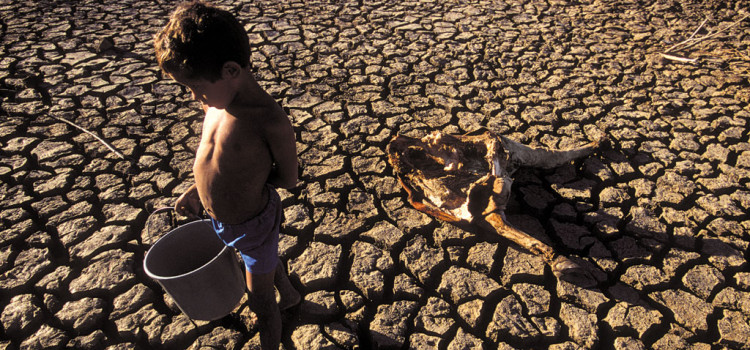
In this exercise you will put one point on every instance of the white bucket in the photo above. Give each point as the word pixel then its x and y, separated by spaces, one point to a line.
pixel 198 270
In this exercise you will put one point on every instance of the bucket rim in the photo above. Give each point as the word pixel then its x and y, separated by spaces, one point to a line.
pixel 172 232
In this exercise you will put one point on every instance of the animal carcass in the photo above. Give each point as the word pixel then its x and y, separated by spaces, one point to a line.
pixel 466 179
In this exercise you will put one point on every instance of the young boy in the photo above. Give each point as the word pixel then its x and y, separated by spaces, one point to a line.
pixel 247 149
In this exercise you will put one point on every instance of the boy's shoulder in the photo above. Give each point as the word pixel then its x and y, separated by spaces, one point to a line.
pixel 264 117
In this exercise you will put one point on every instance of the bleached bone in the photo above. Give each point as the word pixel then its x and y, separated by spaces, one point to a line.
pixel 466 180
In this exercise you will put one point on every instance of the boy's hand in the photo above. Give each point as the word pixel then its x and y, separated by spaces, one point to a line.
pixel 189 204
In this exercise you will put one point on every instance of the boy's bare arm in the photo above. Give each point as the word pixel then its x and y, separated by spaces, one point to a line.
pixel 283 147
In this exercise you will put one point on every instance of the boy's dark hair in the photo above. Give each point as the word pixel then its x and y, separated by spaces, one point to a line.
pixel 199 39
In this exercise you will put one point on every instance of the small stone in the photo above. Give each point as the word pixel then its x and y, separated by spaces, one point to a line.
pixel 455 253
pixel 508 322
pixel 518 265
pixel 369 264
pixel 75 230
pixel 219 338
pixel 335 224
pixel 628 250
pixel 627 343
pixel 121 213
pixel 361 204
pixel 108 271
pixel 54 280
pixel 535 297
pixel 572 236
pixel 177 333
pixel 447 234
pixel 676 258
pixel 350 300
pixel 409 220
pixel 296 217
pixel 343 335
pixel 29 265
pixel 734 329
pixel 47 150
pixel 46 337
pixel 722 255
pixel 146 322
pixel 405 287
pixel 92 341
pixel 644 223
pixel 310 336
pixel 132 300
pixel 21 315
pixel 385 233
pixel 434 317
pixel 733 299
pixel 581 325
pixel 481 256
pixel 106 238
pixel 52 302
pixel 82 315
pixel 423 341
pixel 77 210
pixel 643 276
pixel 304 101
pixel 589 298
pixel 19 144
pixel 421 259
pixel 324 168
pixel 462 284
pixel 702 280
pixel 549 326
pixel 716 152
pixel 689 310
pixel 471 311
pixel 319 305
pixel 625 317
pixel 287 245
pixel 612 196
pixel 389 326
pixel 5 256
pixel 318 266
pixel 466 341
pixel 671 341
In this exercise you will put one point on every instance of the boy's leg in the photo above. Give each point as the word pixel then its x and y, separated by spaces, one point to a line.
pixel 262 299
pixel 288 296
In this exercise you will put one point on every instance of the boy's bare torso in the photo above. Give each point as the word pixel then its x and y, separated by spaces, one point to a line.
pixel 232 164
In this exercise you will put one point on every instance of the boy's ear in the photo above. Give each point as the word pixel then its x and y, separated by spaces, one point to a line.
pixel 230 70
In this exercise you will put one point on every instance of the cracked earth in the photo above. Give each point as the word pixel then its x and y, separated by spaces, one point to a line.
pixel 658 218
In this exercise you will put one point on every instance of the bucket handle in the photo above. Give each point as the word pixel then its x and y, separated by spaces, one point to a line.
pixel 202 217
pixel 148 221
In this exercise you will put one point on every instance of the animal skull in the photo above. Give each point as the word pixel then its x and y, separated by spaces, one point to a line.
pixel 466 179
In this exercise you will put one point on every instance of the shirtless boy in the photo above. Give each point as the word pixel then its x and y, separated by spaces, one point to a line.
pixel 247 149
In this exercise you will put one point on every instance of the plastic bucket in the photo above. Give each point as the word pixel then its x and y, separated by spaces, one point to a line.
pixel 198 270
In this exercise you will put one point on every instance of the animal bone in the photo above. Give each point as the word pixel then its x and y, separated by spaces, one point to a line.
pixel 466 180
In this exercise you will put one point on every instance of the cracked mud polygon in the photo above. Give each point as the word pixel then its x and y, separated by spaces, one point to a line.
pixel 659 217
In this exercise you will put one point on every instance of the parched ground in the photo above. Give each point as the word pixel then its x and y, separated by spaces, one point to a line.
pixel 659 217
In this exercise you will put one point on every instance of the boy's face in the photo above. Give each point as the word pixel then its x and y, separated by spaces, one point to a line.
pixel 218 94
